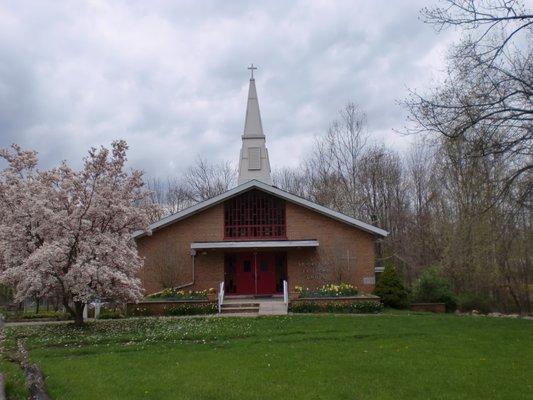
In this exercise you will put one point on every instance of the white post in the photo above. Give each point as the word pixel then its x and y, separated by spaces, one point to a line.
pixel 85 311
pixel 285 292
pixel 220 296
pixel 97 306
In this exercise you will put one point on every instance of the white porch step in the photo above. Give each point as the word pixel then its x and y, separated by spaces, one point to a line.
pixel 240 304
pixel 270 306
pixel 238 310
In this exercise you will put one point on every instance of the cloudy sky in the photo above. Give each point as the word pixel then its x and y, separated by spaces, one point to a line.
pixel 170 76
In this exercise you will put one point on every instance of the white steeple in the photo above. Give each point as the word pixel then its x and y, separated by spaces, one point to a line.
pixel 254 163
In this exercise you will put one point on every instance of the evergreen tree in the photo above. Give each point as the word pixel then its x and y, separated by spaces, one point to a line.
pixel 391 289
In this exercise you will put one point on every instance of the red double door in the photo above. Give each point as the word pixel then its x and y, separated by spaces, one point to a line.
pixel 252 273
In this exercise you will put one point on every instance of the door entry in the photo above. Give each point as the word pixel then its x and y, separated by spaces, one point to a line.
pixel 245 274
pixel 254 273
pixel 265 273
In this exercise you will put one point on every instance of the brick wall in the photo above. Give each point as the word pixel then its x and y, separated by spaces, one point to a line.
pixel 345 253
pixel 167 259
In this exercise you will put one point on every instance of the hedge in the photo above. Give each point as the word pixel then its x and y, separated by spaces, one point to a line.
pixel 361 307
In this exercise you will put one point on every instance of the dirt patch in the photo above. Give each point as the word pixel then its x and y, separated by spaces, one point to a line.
pixel 34 375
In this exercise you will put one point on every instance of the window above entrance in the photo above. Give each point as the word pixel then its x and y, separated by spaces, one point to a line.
pixel 254 215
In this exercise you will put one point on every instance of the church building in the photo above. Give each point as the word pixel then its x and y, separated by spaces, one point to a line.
pixel 257 239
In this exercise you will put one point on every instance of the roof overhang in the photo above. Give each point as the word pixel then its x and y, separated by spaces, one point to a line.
pixel 254 184
pixel 258 244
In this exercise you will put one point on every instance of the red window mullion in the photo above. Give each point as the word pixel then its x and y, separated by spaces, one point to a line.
pixel 254 215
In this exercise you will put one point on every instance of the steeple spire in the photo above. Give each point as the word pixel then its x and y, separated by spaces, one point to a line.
pixel 254 163
pixel 252 124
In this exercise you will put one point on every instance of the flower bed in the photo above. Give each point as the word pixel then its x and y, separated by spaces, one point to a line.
pixel 329 290
pixel 172 307
pixel 361 304
pixel 175 294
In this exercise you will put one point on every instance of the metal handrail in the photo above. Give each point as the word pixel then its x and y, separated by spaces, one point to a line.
pixel 220 296
pixel 285 292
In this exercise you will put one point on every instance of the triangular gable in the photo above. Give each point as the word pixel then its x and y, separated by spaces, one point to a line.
pixel 269 189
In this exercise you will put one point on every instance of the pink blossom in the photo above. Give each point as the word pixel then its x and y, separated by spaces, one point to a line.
pixel 68 233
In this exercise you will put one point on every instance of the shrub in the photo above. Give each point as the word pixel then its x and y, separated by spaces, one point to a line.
pixel 42 314
pixel 175 294
pixel 391 289
pixel 329 290
pixel 363 307
pixel 470 301
pixel 111 314
pixel 140 312
pixel 192 309
pixel 433 288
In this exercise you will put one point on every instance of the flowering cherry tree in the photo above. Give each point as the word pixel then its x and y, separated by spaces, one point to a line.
pixel 68 233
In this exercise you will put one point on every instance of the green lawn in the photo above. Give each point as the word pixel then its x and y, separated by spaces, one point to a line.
pixel 294 357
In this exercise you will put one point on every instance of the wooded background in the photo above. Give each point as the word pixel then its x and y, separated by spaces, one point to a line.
pixel 460 199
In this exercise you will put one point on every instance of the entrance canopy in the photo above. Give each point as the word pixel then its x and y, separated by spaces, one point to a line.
pixel 257 244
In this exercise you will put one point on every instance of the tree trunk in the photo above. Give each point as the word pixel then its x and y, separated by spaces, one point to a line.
pixel 78 313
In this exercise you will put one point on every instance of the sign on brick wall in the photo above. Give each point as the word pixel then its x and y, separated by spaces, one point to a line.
pixel 369 280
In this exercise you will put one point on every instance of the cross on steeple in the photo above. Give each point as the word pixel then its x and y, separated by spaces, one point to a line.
pixel 251 68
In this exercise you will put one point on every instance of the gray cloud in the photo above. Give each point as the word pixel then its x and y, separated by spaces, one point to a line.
pixel 170 77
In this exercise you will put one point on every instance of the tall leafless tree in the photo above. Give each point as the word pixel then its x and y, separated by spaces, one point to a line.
pixel 201 181
pixel 488 91
pixel 292 180
pixel 332 167
pixel 205 180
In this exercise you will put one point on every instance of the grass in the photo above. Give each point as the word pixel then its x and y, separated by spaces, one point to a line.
pixel 15 380
pixel 292 357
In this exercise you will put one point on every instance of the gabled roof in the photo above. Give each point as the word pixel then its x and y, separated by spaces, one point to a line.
pixel 254 184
